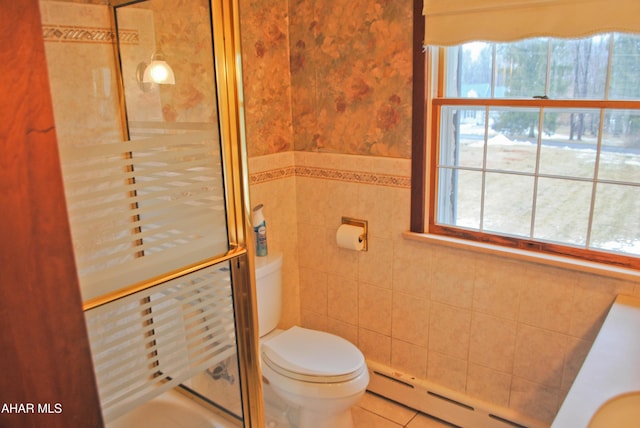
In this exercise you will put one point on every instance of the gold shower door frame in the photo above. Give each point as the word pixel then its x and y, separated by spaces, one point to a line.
pixel 228 69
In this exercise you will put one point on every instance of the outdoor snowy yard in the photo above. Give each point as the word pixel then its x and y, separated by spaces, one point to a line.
pixel 561 210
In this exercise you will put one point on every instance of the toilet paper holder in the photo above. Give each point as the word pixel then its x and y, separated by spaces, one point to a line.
pixel 359 223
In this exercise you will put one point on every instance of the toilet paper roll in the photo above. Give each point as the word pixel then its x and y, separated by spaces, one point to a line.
pixel 350 237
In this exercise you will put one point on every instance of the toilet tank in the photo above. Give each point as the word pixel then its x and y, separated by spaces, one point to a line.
pixel 268 291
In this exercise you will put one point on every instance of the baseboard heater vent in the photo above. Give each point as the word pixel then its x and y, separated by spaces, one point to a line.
pixel 507 421
pixel 447 405
pixel 450 400
pixel 393 379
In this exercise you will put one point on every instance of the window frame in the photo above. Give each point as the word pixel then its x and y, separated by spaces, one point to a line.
pixel 428 100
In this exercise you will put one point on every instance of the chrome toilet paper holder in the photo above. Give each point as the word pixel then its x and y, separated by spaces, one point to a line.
pixel 359 223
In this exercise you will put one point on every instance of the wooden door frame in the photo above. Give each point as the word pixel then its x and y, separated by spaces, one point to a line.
pixel 47 373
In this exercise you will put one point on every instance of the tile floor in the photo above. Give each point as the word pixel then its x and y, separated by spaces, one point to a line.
pixel 173 409
pixel 374 411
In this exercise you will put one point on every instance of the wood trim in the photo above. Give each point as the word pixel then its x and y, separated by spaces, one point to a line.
pixel 538 103
pixel 432 167
pixel 418 125
pixel 618 260
pixel 45 358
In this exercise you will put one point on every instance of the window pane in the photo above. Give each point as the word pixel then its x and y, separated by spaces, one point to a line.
pixel 462 137
pixel 474 61
pixel 562 211
pixel 499 160
pixel 521 68
pixel 569 143
pixel 507 204
pixel 579 68
pixel 624 67
pixel 615 219
pixel 514 146
pixel 620 154
pixel 460 198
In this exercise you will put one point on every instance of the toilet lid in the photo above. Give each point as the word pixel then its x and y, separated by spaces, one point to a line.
pixel 313 356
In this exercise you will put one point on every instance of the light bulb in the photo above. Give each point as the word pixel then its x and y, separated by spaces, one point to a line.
pixel 159 72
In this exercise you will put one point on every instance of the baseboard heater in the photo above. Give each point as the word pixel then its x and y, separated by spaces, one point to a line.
pixel 449 406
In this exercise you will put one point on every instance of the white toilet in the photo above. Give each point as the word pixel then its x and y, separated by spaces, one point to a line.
pixel 320 374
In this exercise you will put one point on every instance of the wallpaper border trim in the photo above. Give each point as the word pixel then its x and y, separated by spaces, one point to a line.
pixel 359 177
pixel 80 34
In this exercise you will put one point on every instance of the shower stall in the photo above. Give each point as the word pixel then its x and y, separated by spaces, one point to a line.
pixel 146 98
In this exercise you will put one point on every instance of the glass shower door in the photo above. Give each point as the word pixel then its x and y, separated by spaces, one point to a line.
pixel 155 200
pixel 180 332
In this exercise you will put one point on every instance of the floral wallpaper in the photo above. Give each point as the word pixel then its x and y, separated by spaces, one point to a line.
pixel 266 76
pixel 344 85
pixel 319 75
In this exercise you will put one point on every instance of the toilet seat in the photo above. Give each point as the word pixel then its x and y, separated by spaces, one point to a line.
pixel 313 356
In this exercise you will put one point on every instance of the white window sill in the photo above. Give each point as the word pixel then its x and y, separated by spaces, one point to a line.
pixel 528 256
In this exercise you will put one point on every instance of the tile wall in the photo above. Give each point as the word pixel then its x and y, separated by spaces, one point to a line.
pixel 273 184
pixel 507 331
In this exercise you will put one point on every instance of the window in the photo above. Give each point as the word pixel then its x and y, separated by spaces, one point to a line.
pixel 532 143
pixel 536 144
